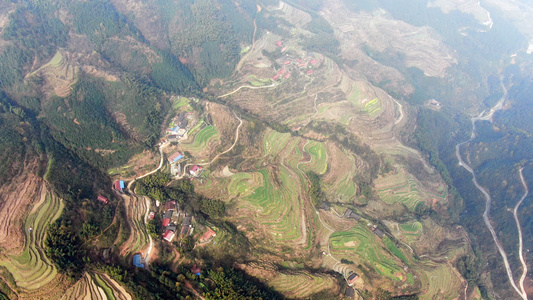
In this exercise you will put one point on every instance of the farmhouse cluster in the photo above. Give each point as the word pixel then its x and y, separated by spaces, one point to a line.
pixel 177 132
pixel 291 63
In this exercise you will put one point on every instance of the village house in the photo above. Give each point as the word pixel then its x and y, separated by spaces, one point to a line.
pixel 352 279
pixel 166 218
pixel 119 185
pixel 103 199
pixel 210 233
pixel 169 205
pixel 184 123
pixel 196 270
pixel 378 231
pixel 186 226
pixel 175 169
pixel 137 261
pixel 106 255
pixel 181 116
pixel 173 138
pixel 351 215
pixel 173 130
pixel 349 293
pixel 169 235
pixel 196 170
pixel 175 157
pixel 185 231
pixel 172 227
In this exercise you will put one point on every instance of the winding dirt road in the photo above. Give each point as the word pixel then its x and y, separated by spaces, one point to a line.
pixel 151 242
pixel 249 87
pixel 149 251
pixel 488 199
pixel 218 155
pixel 520 243
pixel 153 171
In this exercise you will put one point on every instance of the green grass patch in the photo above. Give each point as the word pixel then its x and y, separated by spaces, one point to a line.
pixel 319 163
pixel 392 248
pixel 255 81
pixel 181 102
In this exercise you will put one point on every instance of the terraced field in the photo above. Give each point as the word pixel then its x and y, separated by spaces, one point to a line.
pixel 299 285
pixel 372 108
pixel 193 131
pixel 32 270
pixel 319 158
pixel 411 230
pixel 338 181
pixel 274 191
pixel 360 241
pixel 399 188
pixel 244 184
pixel 274 142
pixel 442 282
pixel 96 287
pixel 201 139
pixel 138 238
pixel 59 74
pixel 276 206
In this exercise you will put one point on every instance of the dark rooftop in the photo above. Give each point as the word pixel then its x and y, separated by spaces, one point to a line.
pixel 181 116
pixel 379 232
pixel 355 216
pixel 347 213
pixel 185 230
pixel 349 292
pixel 187 221
pixel 352 276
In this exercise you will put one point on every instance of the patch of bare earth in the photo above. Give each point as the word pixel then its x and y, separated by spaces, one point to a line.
pixel 139 164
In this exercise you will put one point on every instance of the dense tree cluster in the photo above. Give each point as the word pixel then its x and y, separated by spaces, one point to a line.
pixel 315 190
pixel 155 187
pixel 234 284
pixel 63 248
